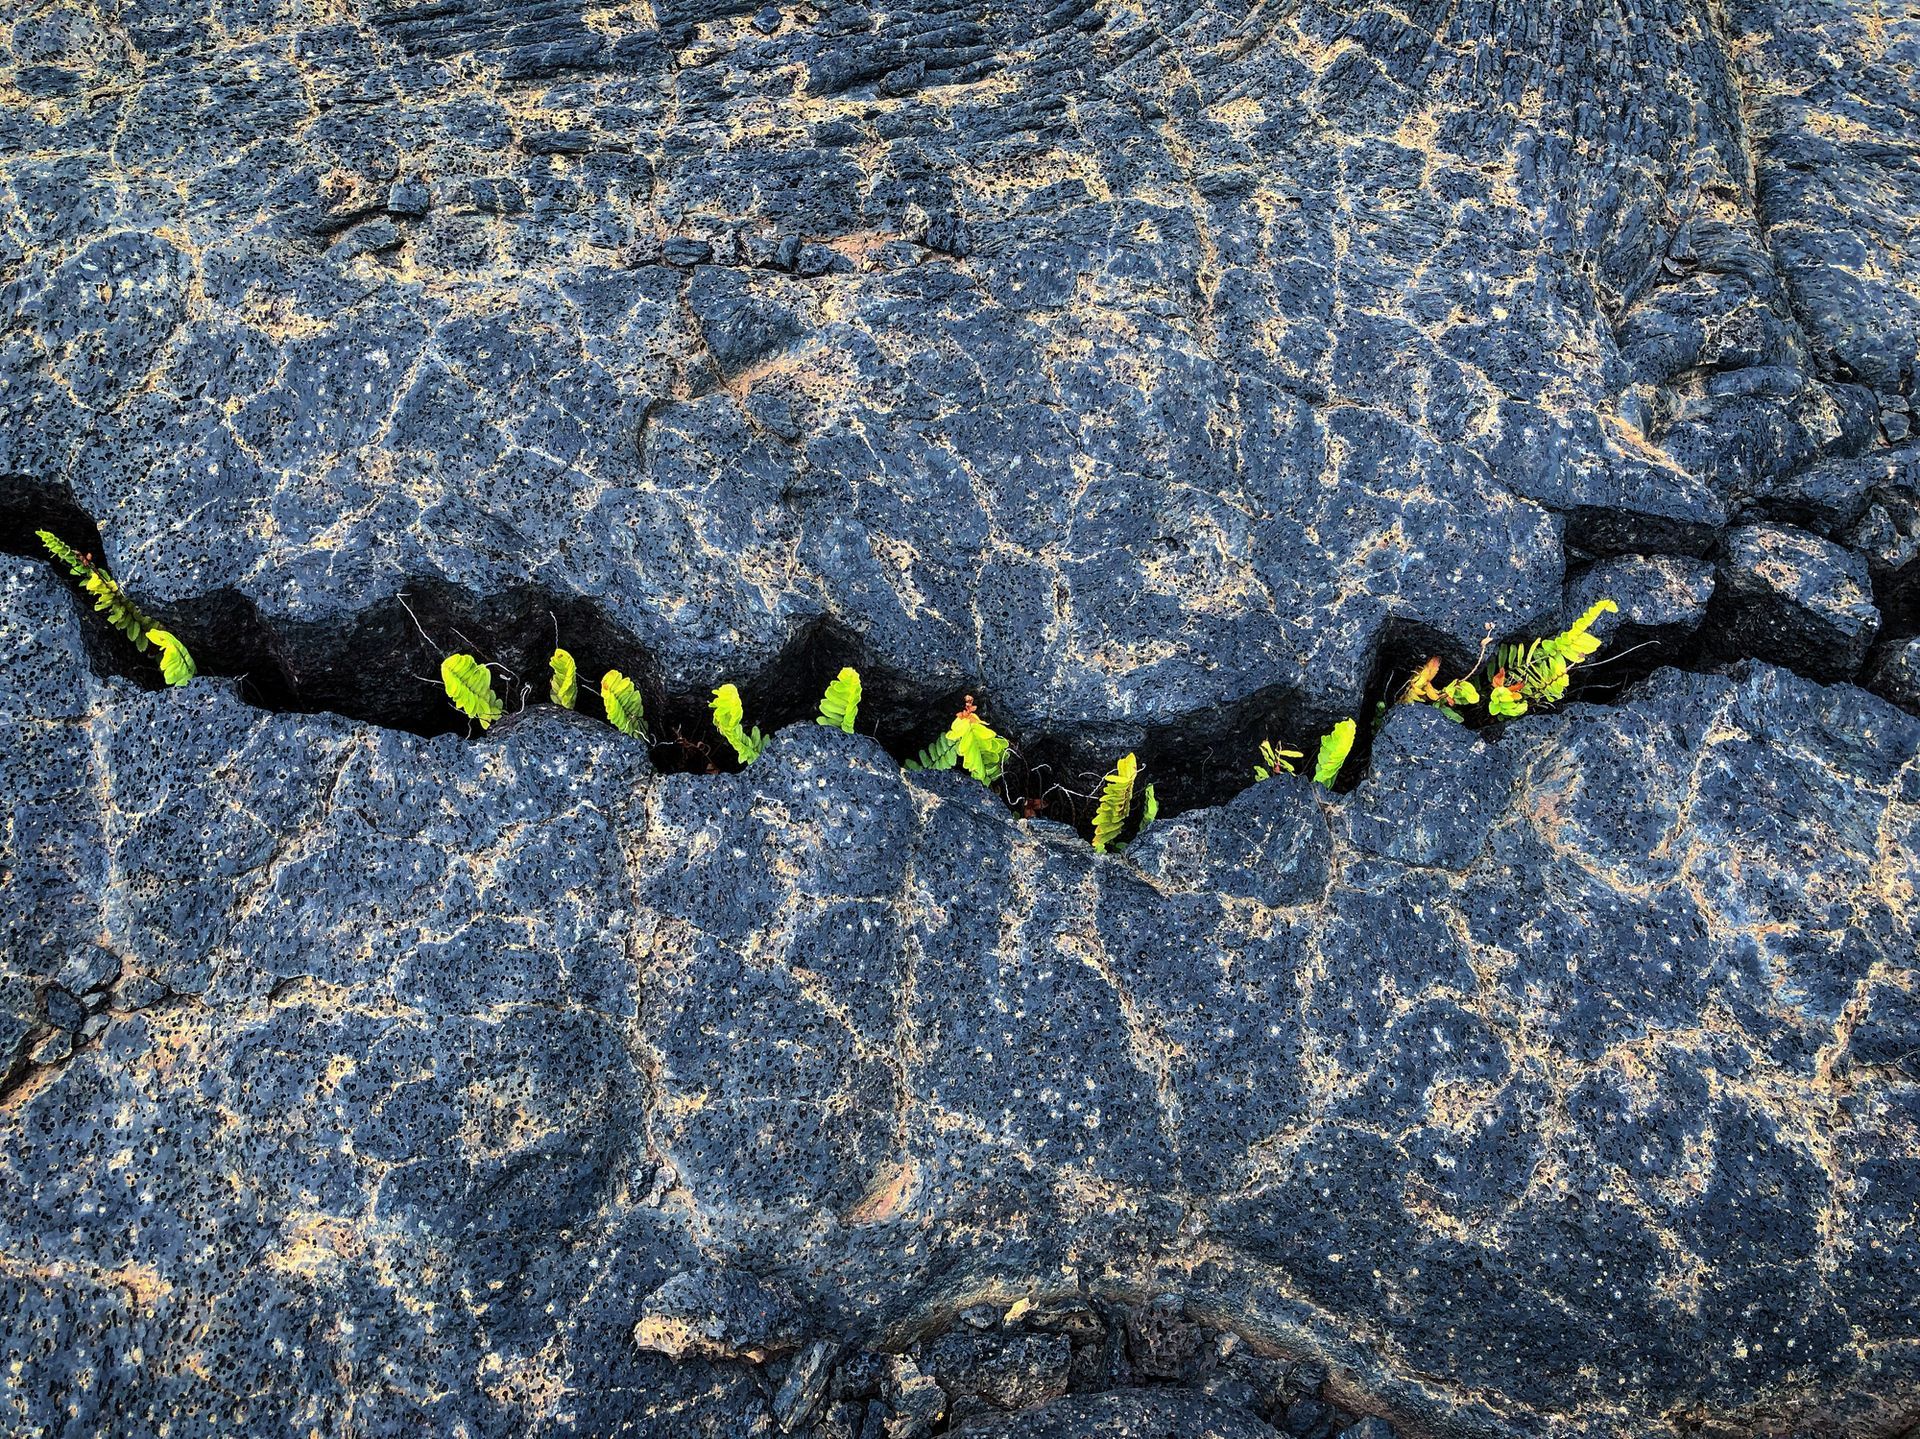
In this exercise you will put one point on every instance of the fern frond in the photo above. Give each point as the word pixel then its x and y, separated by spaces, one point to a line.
pixel 176 665
pixel 983 753
pixel 1149 811
pixel 108 598
pixel 625 711
pixel 1575 643
pixel 564 688
pixel 943 753
pixel 728 713
pixel 1275 761
pixel 469 685
pixel 840 705
pixel 1335 745
pixel 1116 803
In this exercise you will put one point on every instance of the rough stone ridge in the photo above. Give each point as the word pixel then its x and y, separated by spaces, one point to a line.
pixel 1166 375
pixel 1122 362
pixel 505 1085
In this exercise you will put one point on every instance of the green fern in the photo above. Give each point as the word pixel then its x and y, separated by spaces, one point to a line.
pixel 1335 746
pixel 469 685
pixel 1116 803
pixel 1149 811
pixel 1275 761
pixel 1537 673
pixel 840 705
pixel 108 598
pixel 176 665
pixel 728 716
pixel 943 753
pixel 564 689
pixel 625 711
pixel 1449 698
pixel 969 742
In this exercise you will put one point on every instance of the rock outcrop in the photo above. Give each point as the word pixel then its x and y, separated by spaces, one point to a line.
pixel 1169 377
pixel 1558 1085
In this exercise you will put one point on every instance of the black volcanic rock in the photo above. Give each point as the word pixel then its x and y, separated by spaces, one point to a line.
pixel 1162 377
pixel 522 1052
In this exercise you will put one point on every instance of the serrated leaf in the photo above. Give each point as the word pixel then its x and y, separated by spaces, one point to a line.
pixel 1335 745
pixel 469 685
pixel 176 665
pixel 1116 803
pixel 621 700
pixel 564 688
pixel 840 705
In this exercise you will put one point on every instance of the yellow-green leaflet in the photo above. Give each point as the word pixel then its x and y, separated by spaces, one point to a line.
pixel 470 686
pixel 625 712
pixel 565 687
pixel 1335 746
pixel 840 705
pixel 980 750
pixel 728 713
pixel 1116 803
pixel 176 665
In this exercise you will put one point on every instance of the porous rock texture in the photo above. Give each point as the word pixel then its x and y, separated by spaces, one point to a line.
pixel 366 1083
pixel 1166 375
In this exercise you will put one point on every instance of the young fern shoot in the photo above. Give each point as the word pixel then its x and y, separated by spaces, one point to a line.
pixel 176 665
pixel 1116 803
pixel 469 685
pixel 1275 761
pixel 621 699
pixel 840 705
pixel 728 717
pixel 564 688
pixel 1537 673
pixel 1335 745
pixel 969 742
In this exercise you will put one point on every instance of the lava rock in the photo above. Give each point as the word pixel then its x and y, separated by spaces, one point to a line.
pixel 1895 672
pixel 1796 600
pixel 1132 1414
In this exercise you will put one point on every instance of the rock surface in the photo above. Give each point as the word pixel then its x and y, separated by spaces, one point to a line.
pixel 1168 376
pixel 447 1083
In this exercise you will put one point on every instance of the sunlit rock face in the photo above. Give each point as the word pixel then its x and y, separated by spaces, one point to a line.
pixel 1560 1085
pixel 1122 362
pixel 1161 374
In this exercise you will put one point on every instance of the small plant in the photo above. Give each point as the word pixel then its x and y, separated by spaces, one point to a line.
pixel 1537 673
pixel 1149 811
pixel 728 716
pixel 1335 745
pixel 970 742
pixel 625 712
pixel 564 688
pixel 1275 761
pixel 840 705
pixel 1449 698
pixel 1116 803
pixel 176 665
pixel 469 685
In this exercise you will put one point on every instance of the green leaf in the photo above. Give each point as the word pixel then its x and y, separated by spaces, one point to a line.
pixel 1116 803
pixel 1335 746
pixel 840 705
pixel 625 711
pixel 1505 703
pixel 470 686
pixel 564 689
pixel 176 665
pixel 727 716
pixel 1149 811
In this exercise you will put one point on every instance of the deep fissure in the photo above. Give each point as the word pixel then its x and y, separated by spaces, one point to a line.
pixel 380 666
